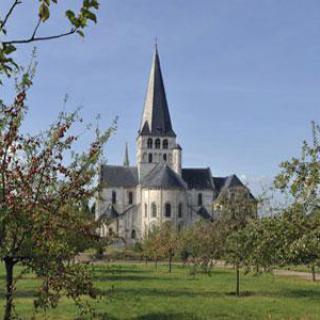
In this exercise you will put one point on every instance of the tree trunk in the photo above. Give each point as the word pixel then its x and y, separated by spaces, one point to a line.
pixel 156 262
pixel 9 265
pixel 237 281
pixel 170 263
pixel 146 260
pixel 313 270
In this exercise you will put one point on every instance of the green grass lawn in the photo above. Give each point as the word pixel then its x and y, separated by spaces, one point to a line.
pixel 136 291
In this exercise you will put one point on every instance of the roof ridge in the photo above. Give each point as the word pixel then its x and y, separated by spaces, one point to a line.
pixel 118 166
pixel 163 176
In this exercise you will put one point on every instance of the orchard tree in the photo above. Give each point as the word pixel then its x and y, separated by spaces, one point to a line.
pixel 235 209
pixel 167 239
pixel 265 236
pixel 300 177
pixel 259 246
pixel 306 250
pixel 302 238
pixel 237 250
pixel 41 193
pixel 151 247
pixel 202 244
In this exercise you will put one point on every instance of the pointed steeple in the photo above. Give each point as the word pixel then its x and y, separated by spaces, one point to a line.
pixel 156 117
pixel 126 161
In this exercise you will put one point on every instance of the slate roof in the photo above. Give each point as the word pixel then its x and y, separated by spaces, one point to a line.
pixel 119 176
pixel 218 183
pixel 156 117
pixel 110 213
pixel 162 176
pixel 226 183
pixel 223 183
pixel 199 178
pixel 203 212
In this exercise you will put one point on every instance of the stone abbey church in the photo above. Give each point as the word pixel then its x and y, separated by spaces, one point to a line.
pixel 134 200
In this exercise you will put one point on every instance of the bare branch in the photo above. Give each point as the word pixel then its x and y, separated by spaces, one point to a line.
pixel 36 29
pixel 34 39
pixel 3 23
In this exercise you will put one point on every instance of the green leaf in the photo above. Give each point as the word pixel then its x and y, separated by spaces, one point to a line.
pixel 81 33
pixel 44 12
pixel 70 15
pixel 9 49
pixel 90 15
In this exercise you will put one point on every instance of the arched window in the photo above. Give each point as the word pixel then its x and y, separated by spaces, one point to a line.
pixel 180 210
pixel 130 197
pixel 167 210
pixel 133 234
pixel 114 197
pixel 149 143
pixel 200 199
pixel 110 231
pixel 150 158
pixel 165 144
pixel 157 143
pixel 153 210
pixel 165 157
pixel 145 210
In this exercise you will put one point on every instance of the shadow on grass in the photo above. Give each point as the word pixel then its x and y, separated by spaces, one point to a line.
pixel 155 292
pixel 309 293
pixel 167 316
pixel 19 293
pixel 131 278
pixel 120 269
pixel 155 316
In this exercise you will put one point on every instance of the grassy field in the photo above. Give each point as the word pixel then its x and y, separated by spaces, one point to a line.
pixel 136 291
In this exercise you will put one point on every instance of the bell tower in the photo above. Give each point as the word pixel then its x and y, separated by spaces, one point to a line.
pixel 156 139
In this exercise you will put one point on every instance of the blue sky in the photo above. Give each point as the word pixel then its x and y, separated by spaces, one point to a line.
pixel 242 76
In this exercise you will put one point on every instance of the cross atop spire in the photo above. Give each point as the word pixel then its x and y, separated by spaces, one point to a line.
pixel 156 116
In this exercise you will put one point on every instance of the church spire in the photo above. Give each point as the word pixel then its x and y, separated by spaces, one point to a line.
pixel 126 161
pixel 156 117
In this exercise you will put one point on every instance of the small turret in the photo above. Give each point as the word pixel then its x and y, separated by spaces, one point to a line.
pixel 177 159
pixel 126 161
